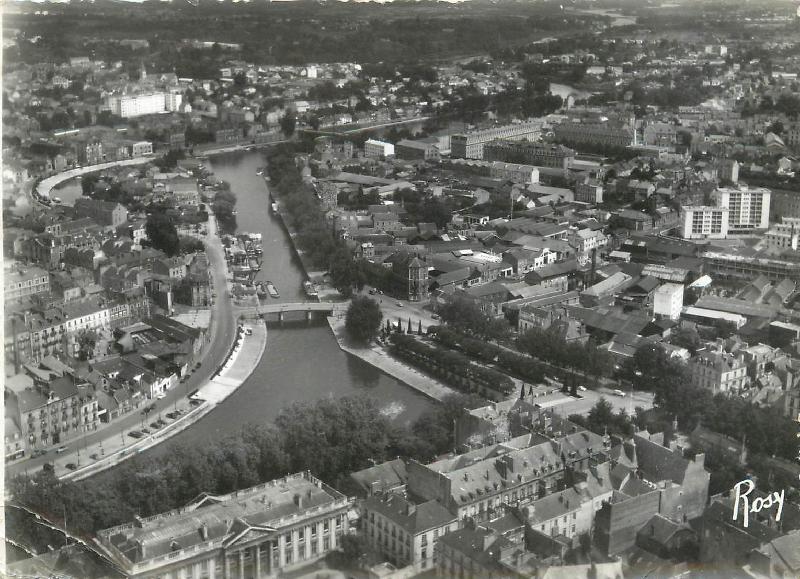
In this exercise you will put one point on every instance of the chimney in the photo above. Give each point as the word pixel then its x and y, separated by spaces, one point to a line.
pixel 298 500
pixel 204 532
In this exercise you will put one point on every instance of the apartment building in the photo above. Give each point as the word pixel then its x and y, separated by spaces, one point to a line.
pixel 718 371
pixel 594 134
pixel 748 207
pixel 537 154
pixel 514 172
pixel 704 222
pixel 262 531
pixel 783 236
pixel 374 149
pixel 404 532
pixel 589 191
pixel 20 281
pixel 470 145
pixel 105 213
pixel 130 106
pixel 668 301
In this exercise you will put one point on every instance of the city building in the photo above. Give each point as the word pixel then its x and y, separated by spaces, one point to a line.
pixel 416 150
pixel 704 222
pixel 106 213
pixel 378 149
pixel 141 148
pixel 403 532
pixel 480 553
pixel 20 281
pixel 470 145
pixel 668 301
pixel 130 106
pixel 515 172
pixel 783 236
pixel 748 207
pixel 594 134
pixel 261 531
pixel 589 191
pixel 718 371
pixel 537 154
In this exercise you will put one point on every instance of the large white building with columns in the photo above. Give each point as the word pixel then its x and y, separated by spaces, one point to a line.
pixel 257 532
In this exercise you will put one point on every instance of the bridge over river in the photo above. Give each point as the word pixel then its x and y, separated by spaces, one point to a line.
pixel 279 311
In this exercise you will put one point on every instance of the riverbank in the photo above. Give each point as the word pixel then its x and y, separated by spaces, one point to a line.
pixel 378 357
pixel 46 185
pixel 116 449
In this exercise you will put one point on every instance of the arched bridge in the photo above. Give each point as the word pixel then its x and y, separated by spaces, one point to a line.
pixel 280 310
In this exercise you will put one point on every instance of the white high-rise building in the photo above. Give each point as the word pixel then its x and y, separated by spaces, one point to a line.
pixel 704 222
pixel 378 149
pixel 128 106
pixel 749 207
pixel 668 300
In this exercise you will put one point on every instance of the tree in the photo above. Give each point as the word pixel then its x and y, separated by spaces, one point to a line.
pixel 288 124
pixel 162 233
pixel 363 319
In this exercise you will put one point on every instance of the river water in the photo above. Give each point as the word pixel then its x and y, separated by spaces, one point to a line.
pixel 302 362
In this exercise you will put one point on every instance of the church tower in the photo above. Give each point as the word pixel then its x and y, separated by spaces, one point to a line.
pixel 417 280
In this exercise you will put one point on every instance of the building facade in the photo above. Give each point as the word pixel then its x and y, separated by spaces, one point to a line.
pixel 668 301
pixel 374 149
pixel 538 154
pixel 718 371
pixel 748 207
pixel 470 145
pixel 704 222
pixel 261 531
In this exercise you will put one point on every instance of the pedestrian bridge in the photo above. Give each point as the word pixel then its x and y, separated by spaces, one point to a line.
pixel 280 311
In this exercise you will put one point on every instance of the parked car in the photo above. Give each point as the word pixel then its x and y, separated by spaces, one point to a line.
pixel 94 456
pixel 61 449
pixel 582 388
pixel 161 396
pixel 145 431
pixel 619 392
pixel 399 304
pixel 135 434
pixel 38 452
pixel 72 466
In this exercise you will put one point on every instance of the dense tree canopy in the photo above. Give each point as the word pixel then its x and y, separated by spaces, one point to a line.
pixel 162 234
pixel 363 319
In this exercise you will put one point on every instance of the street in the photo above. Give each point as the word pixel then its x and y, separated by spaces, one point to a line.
pixel 102 442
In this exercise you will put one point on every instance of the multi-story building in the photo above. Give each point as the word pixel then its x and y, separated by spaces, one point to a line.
pixel 141 148
pixel 748 207
pixel 668 301
pixel 262 531
pixel 704 222
pixel 585 241
pixel 733 265
pixel 20 281
pixel 106 213
pixel 416 150
pixel 538 154
pixel 375 149
pixel 514 172
pixel 404 532
pixel 482 553
pixel 470 145
pixel 718 371
pixel 54 411
pixel 595 134
pixel 589 191
pixel 477 483
pixel 660 134
pixel 783 236
pixel 129 106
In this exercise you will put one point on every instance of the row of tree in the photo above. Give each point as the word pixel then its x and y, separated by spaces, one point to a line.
pixel 454 368
pixel 331 438
pixel 552 346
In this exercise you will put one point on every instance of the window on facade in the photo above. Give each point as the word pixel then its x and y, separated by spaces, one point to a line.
pixel 326 527
pixel 326 543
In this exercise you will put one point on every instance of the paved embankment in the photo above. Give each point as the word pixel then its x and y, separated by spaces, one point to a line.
pixel 378 356
pixel 240 364
pixel 46 185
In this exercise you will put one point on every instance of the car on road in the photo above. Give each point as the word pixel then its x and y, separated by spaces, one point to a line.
pixel 38 452
pixel 619 392
pixel 372 291
pixel 145 431
pixel 71 466
pixel 172 415
pixel 399 304
pixel 135 434
pixel 161 396
pixel 61 449
pixel 94 456
pixel 582 388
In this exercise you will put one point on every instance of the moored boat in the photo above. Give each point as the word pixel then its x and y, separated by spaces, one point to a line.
pixel 310 289
pixel 273 291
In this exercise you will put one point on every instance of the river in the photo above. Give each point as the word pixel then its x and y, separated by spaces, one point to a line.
pixel 302 362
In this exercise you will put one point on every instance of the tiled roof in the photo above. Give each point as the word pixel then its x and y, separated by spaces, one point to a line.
pixel 413 518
